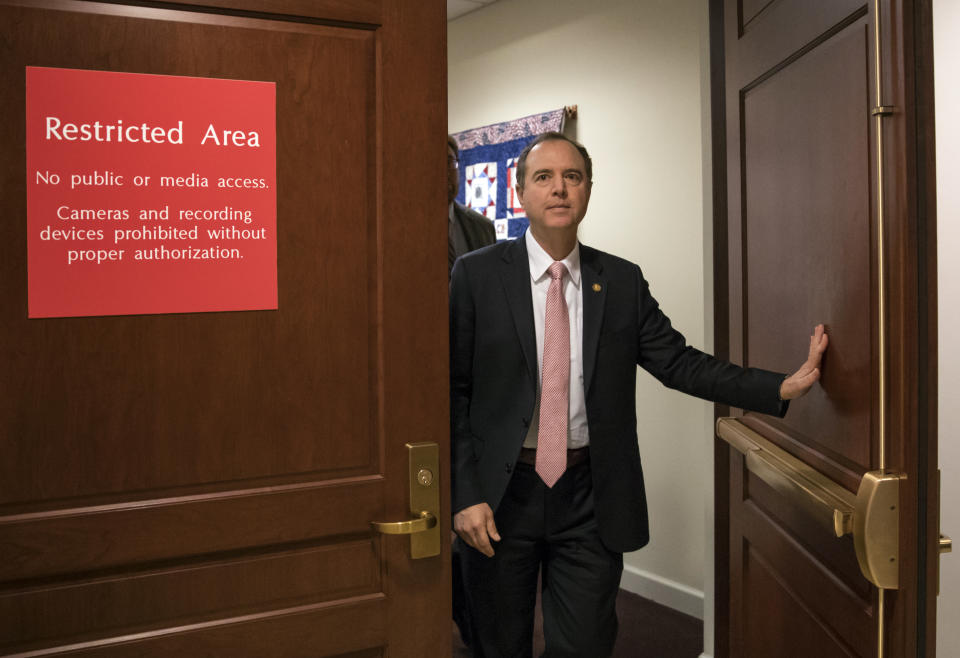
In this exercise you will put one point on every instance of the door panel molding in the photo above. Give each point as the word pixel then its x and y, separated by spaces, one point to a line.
pixel 140 533
pixel 811 631
pixel 322 573
pixel 308 630
pixel 359 14
pixel 797 193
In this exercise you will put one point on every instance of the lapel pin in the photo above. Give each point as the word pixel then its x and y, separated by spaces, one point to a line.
pixel 597 287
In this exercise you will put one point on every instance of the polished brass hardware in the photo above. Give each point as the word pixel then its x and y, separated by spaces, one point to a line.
pixel 876 532
pixel 872 516
pixel 880 111
pixel 424 531
pixel 424 522
pixel 881 290
pixel 945 545
pixel 825 500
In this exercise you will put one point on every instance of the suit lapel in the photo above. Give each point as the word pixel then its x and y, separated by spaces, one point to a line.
pixel 515 275
pixel 594 296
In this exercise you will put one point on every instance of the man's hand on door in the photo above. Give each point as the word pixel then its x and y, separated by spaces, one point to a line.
pixel 797 384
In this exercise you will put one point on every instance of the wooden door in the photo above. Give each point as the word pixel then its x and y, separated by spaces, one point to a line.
pixel 203 484
pixel 800 240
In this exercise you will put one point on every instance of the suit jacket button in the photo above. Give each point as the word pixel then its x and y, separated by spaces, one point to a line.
pixel 508 467
pixel 526 422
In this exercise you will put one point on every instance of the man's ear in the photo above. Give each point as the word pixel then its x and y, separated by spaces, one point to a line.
pixel 519 189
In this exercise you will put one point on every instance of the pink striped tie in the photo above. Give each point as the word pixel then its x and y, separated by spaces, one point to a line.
pixel 555 383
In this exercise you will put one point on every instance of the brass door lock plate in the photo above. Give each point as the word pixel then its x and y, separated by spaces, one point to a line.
pixel 424 488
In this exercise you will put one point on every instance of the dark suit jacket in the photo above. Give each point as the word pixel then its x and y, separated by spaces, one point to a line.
pixel 494 378
pixel 476 228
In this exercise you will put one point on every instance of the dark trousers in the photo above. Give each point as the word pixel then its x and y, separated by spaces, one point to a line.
pixel 553 529
pixel 461 595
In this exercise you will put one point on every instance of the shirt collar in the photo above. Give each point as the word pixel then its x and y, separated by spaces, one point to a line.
pixel 540 260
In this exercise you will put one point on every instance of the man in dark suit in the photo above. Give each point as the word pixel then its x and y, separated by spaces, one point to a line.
pixel 546 335
pixel 467 229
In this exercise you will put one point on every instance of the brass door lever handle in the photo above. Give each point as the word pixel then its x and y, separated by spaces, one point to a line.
pixel 423 528
pixel 946 544
pixel 424 522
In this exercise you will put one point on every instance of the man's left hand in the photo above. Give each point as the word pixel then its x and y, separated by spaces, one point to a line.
pixel 797 384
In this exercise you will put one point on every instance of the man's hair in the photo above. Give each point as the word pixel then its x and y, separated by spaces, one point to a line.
pixel 452 143
pixel 549 137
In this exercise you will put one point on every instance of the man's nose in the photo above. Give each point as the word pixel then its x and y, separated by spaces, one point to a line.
pixel 560 186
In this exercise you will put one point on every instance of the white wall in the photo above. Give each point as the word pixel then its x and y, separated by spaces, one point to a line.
pixel 946 39
pixel 634 70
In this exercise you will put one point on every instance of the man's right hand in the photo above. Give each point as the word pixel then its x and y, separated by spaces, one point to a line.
pixel 475 526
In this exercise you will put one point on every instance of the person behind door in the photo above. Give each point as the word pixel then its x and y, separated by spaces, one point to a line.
pixel 467 230
pixel 545 338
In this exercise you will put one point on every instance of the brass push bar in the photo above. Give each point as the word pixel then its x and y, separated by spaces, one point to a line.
pixel 872 516
pixel 829 503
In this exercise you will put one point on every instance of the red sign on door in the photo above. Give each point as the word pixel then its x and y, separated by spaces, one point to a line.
pixel 149 194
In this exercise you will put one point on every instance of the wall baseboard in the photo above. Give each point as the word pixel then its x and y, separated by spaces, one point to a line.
pixel 664 591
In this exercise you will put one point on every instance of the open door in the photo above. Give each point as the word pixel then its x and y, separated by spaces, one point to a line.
pixel 827 519
pixel 204 484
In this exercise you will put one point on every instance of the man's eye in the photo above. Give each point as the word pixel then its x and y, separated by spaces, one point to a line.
pixel 540 177
pixel 574 177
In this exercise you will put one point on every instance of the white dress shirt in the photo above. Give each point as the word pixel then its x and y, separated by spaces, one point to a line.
pixel 540 261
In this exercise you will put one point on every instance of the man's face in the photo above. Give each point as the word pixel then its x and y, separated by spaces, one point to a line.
pixel 556 192
pixel 453 175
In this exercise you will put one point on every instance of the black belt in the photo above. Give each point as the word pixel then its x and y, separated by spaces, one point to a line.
pixel 574 456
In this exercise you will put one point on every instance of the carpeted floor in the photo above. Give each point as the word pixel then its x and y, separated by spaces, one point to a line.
pixel 647 630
